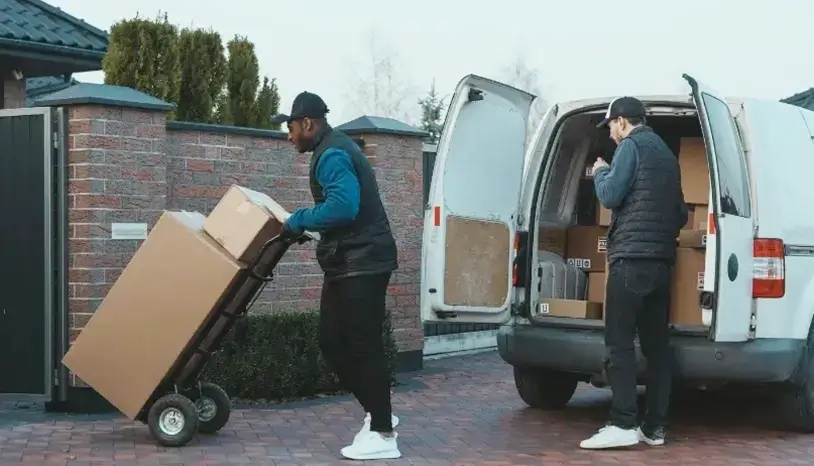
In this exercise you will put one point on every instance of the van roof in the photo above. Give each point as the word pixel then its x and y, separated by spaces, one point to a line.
pixel 665 99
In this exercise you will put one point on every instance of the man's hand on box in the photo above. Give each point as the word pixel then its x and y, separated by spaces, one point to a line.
pixel 600 163
pixel 290 231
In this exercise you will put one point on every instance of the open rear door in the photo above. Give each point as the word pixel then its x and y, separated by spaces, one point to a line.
pixel 730 228
pixel 470 221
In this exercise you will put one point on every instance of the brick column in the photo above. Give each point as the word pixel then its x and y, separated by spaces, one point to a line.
pixel 116 174
pixel 395 151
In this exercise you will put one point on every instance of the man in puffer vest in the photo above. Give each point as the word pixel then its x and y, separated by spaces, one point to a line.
pixel 357 253
pixel 642 188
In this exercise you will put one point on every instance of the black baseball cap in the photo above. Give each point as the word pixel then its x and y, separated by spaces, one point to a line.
pixel 306 105
pixel 625 107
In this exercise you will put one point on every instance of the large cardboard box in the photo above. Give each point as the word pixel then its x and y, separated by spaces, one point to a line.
pixel 168 290
pixel 586 247
pixel 692 239
pixel 553 240
pixel 692 160
pixel 700 217
pixel 570 308
pixel 688 282
pixel 243 220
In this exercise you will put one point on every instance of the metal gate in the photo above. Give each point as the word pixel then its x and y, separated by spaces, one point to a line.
pixel 31 181
pixel 432 330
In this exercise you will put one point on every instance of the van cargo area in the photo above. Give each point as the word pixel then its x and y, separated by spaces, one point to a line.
pixel 568 268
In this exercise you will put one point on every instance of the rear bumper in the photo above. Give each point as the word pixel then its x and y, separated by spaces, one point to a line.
pixel 582 351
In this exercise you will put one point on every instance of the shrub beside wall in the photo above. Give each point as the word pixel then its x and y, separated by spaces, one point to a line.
pixel 277 357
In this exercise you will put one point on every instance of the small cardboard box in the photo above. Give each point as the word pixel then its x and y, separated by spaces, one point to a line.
pixel 597 282
pixel 692 161
pixel 692 239
pixel 166 293
pixel 553 240
pixel 586 247
pixel 603 216
pixel 700 217
pixel 688 282
pixel 570 308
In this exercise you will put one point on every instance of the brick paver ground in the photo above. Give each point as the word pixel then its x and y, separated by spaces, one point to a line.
pixel 460 411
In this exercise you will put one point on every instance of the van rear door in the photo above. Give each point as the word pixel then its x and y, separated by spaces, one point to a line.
pixel 471 217
pixel 730 226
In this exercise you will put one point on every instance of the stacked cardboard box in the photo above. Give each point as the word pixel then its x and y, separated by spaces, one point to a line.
pixel 688 275
pixel 172 286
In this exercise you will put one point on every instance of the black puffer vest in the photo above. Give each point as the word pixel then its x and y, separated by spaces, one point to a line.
pixel 647 223
pixel 366 245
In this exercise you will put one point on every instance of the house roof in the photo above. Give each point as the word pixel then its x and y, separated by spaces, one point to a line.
pixel 103 94
pixel 384 125
pixel 35 23
pixel 803 99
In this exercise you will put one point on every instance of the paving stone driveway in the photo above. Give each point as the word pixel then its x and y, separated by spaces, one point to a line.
pixel 460 411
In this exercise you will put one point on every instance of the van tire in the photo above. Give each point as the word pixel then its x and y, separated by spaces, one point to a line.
pixel 796 402
pixel 543 389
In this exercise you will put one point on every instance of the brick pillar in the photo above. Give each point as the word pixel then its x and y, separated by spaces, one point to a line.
pixel 14 92
pixel 116 174
pixel 395 151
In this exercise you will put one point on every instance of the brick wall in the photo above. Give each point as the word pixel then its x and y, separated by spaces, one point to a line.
pixel 205 161
pixel 116 173
pixel 128 165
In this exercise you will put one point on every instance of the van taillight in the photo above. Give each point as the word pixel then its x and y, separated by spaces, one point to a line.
pixel 515 268
pixel 769 269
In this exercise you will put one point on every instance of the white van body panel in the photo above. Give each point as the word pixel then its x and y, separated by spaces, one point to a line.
pixel 781 150
pixel 477 178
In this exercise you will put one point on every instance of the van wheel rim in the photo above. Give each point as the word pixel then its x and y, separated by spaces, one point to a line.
pixel 171 421
pixel 206 409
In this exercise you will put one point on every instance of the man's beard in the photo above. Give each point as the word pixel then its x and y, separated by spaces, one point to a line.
pixel 305 145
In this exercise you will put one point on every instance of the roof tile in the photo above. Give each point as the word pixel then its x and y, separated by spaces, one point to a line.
pixel 38 22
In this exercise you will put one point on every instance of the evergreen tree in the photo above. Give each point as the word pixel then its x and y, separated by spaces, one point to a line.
pixel 432 107
pixel 143 54
pixel 267 105
pixel 203 73
pixel 242 81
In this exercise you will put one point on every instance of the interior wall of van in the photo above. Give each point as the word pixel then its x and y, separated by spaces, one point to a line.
pixel 568 276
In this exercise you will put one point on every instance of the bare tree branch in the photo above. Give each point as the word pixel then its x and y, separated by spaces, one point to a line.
pixel 520 75
pixel 378 85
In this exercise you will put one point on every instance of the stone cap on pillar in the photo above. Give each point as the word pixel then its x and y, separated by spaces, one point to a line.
pixel 380 125
pixel 103 94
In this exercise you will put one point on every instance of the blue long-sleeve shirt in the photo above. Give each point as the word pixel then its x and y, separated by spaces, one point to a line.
pixel 613 183
pixel 340 187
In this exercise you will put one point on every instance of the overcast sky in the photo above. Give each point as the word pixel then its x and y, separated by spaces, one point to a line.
pixel 582 48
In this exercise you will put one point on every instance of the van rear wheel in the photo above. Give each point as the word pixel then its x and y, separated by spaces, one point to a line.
pixel 796 402
pixel 544 389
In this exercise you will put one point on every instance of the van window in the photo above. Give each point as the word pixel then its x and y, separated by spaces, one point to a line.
pixel 732 177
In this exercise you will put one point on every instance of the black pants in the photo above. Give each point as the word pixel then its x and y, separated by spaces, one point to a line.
pixel 352 312
pixel 638 298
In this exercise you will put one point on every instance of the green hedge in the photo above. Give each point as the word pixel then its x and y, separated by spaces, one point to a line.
pixel 277 357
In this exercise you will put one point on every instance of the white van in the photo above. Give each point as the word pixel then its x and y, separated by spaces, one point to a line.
pixel 490 193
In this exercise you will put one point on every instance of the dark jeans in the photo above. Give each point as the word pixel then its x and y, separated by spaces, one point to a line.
pixel 352 312
pixel 638 299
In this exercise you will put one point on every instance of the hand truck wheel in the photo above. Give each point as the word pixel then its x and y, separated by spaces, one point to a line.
pixel 173 420
pixel 213 405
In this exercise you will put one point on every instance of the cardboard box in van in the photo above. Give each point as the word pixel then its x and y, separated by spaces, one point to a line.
pixel 692 239
pixel 570 308
pixel 243 220
pixel 603 216
pixel 597 282
pixel 688 282
pixel 692 160
pixel 553 240
pixel 700 217
pixel 168 290
pixel 586 247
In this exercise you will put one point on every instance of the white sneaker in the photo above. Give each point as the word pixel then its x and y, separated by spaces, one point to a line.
pixel 373 446
pixel 655 439
pixel 611 437
pixel 394 421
